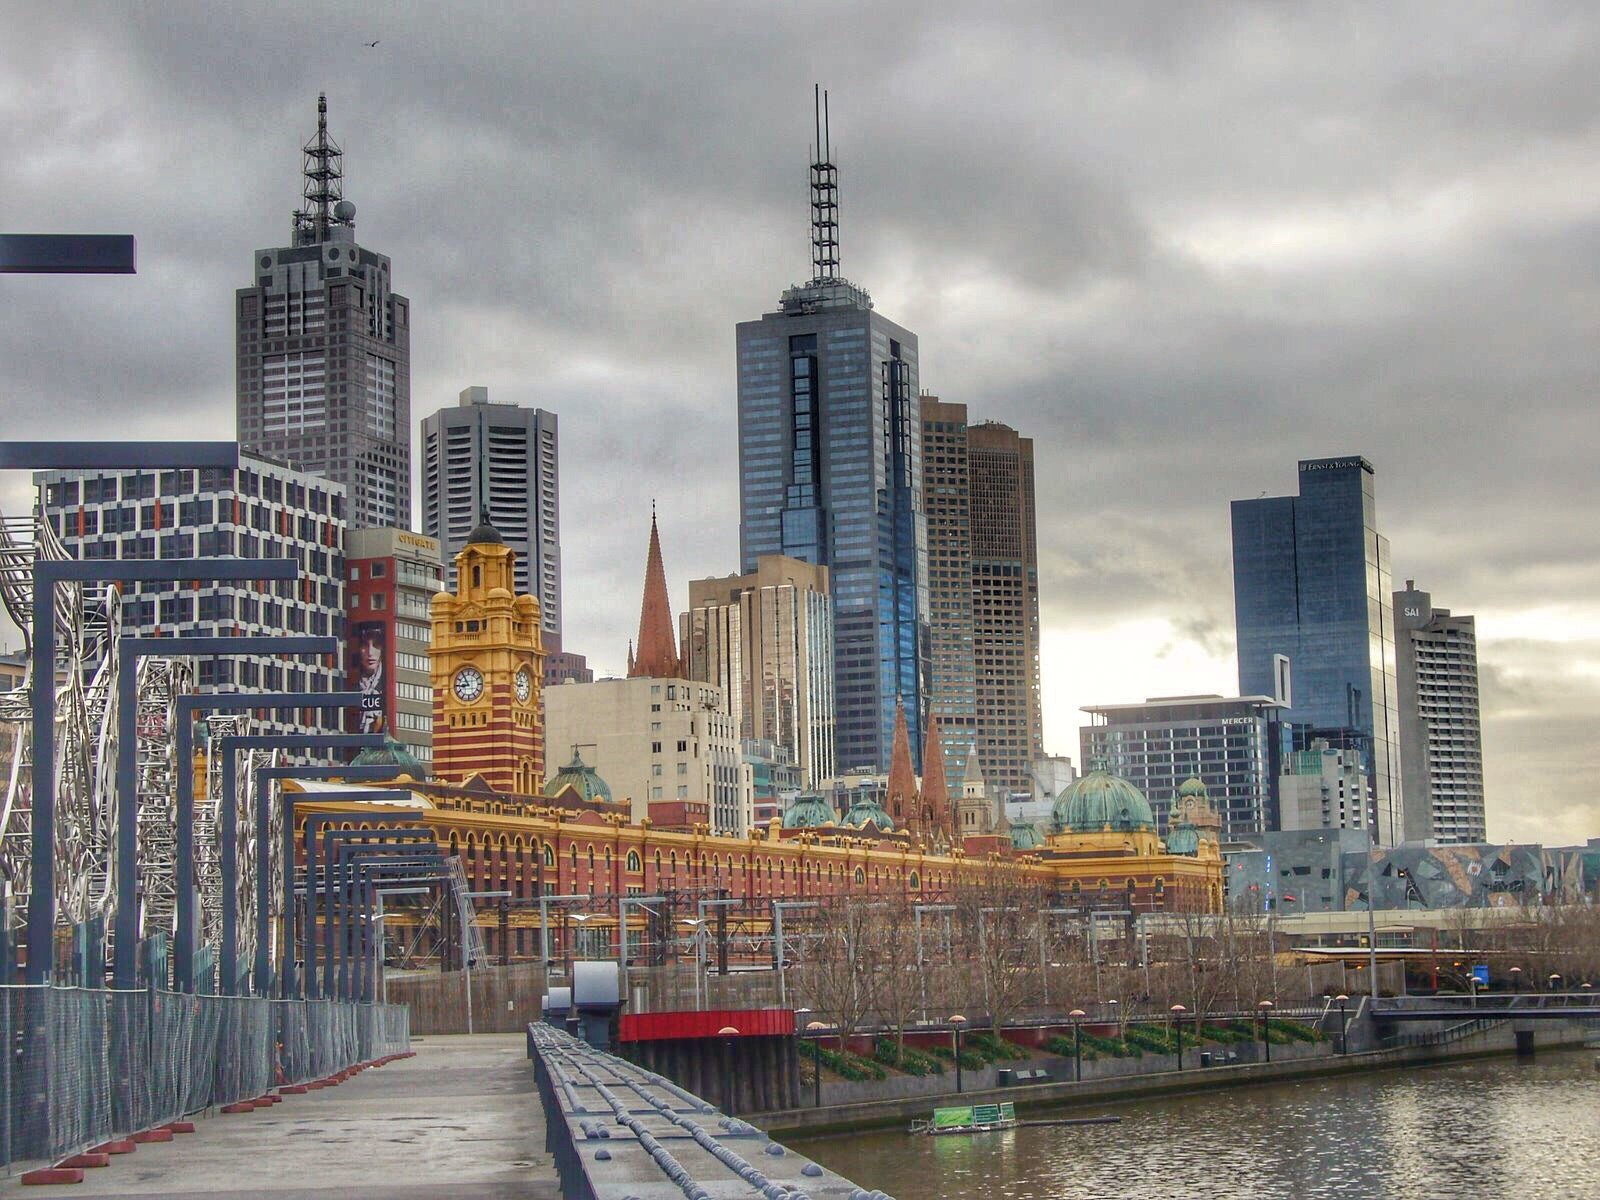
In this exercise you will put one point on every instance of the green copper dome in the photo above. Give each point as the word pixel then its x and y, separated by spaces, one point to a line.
pixel 1192 786
pixel 581 778
pixel 867 811
pixel 809 811
pixel 391 754
pixel 1024 836
pixel 1101 800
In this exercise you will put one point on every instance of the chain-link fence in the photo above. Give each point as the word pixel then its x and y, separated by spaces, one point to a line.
pixel 80 1067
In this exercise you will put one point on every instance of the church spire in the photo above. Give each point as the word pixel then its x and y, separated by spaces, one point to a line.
pixel 902 783
pixel 935 806
pixel 657 652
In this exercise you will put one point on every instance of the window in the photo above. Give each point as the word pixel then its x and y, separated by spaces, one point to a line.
pixel 634 863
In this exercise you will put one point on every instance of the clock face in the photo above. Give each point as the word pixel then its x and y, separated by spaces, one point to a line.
pixel 524 685
pixel 468 684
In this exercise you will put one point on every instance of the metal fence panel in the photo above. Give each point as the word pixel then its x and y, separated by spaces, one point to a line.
pixel 79 1067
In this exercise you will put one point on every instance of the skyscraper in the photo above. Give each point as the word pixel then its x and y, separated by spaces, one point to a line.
pixel 983 587
pixel 830 472
pixel 766 639
pixel 502 460
pixel 324 351
pixel 1311 583
pixel 1005 605
pixel 1441 740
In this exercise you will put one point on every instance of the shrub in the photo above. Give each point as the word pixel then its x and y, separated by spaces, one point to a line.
pixel 907 1059
pixel 844 1064
pixel 993 1047
pixel 970 1061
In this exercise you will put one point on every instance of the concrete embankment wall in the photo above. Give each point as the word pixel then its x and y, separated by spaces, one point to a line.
pixel 1108 1085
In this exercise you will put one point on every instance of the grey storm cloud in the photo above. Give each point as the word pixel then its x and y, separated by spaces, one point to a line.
pixel 1179 245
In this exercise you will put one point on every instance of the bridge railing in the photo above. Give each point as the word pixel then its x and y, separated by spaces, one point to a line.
pixel 80 1067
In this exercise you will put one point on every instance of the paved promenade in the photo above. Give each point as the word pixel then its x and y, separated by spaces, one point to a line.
pixel 462 1120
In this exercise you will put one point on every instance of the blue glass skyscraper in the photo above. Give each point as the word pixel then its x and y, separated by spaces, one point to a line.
pixel 1311 583
pixel 830 471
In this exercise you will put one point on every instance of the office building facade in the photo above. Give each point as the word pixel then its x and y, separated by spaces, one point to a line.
pixel 1311 583
pixel 323 347
pixel 766 639
pixel 257 510
pixel 391 578
pixel 947 501
pixel 1323 787
pixel 830 472
pixel 1234 745
pixel 1441 735
pixel 499 463
pixel 655 741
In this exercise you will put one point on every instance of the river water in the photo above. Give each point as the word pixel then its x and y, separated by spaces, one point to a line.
pixel 1496 1128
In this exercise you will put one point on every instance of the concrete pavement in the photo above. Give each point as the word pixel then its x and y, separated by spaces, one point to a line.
pixel 461 1120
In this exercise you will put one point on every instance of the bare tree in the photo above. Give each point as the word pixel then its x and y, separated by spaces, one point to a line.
pixel 998 913
pixel 839 971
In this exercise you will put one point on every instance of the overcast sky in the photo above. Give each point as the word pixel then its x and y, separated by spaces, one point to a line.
pixel 1180 245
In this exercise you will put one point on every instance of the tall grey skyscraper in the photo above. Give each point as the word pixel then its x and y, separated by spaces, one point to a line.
pixel 1311 583
pixel 830 472
pixel 324 351
pixel 499 459
pixel 1441 739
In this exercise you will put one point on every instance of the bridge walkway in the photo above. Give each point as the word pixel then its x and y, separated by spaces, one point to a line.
pixel 461 1119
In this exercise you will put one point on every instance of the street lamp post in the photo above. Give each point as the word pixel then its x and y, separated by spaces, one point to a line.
pixel 1264 1007
pixel 1177 1026
pixel 1344 1030
pixel 956 1022
pixel 1077 1016
pixel 1516 980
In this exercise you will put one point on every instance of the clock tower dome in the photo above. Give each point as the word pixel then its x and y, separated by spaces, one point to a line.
pixel 488 664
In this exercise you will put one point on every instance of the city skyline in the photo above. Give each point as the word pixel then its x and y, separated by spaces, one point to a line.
pixel 1317 316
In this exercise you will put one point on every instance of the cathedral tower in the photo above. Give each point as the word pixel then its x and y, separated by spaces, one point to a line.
pixel 488 662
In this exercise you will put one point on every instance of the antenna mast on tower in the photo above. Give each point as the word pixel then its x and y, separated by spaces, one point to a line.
pixel 824 198
pixel 323 168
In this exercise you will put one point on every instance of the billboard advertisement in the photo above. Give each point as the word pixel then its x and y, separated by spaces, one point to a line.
pixel 368 673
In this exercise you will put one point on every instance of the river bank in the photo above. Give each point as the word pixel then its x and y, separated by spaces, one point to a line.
pixel 1497 1038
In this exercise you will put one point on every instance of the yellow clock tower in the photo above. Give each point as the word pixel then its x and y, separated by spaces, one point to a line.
pixel 488 664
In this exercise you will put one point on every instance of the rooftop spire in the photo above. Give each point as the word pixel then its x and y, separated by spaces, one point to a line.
pixel 657 653
pixel 902 783
pixel 824 198
pixel 323 192
pixel 935 808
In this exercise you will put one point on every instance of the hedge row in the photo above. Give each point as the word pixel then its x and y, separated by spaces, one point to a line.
pixel 905 1058
pixel 845 1065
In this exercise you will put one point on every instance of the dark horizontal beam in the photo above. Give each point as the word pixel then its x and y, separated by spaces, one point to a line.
pixel 156 570
pixel 117 456
pixel 68 254
pixel 183 645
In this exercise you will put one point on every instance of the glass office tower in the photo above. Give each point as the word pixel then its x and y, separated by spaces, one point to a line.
pixel 830 472
pixel 1311 583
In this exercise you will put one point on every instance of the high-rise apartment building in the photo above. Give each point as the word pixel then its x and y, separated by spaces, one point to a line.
pixel 324 352
pixel 497 463
pixel 1441 739
pixel 391 578
pixel 830 472
pixel 257 510
pixel 766 639
pixel 1235 745
pixel 1311 584
pixel 983 593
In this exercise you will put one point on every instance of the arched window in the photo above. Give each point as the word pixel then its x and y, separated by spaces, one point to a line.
pixel 861 876
pixel 549 855
pixel 574 860
pixel 658 862
pixel 608 859
pixel 916 881
pixel 674 862
pixel 1077 888
pixel 591 859
pixel 635 865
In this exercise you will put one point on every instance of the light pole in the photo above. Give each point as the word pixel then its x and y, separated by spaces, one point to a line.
pixel 727 1033
pixel 698 925
pixel 956 1022
pixel 1077 1016
pixel 1516 980
pixel 1177 1011
pixel 1344 1030
pixel 1264 1007
pixel 817 1028
pixel 1555 983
